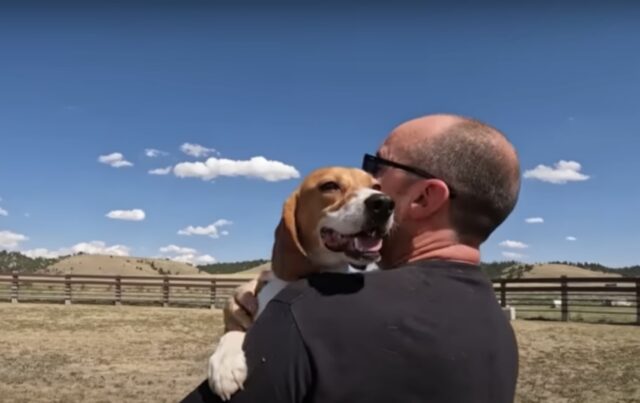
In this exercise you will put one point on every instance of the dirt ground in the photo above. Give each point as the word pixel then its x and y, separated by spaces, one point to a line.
pixel 57 353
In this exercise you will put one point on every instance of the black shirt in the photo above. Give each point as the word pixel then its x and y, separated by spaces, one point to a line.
pixel 430 331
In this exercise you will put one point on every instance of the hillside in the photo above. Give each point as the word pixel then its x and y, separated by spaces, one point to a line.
pixel 252 272
pixel 232 267
pixel 628 271
pixel 496 269
pixel 10 261
pixel 119 265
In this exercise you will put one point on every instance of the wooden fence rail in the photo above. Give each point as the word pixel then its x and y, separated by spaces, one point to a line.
pixel 610 299
pixel 599 299
pixel 143 290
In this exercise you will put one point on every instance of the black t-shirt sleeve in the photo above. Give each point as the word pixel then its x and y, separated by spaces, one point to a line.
pixel 277 360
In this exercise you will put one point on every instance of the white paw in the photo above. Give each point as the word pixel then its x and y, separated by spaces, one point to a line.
pixel 227 369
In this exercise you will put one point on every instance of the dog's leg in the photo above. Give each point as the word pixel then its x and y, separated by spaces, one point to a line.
pixel 227 369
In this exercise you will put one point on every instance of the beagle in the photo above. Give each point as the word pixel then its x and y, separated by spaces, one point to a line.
pixel 334 221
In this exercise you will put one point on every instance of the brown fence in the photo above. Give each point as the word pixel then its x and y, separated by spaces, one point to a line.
pixel 142 290
pixel 595 299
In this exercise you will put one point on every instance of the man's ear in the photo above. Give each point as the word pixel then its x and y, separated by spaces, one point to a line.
pixel 289 260
pixel 429 196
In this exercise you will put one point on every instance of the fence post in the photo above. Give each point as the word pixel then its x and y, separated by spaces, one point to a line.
pixel 67 289
pixel 637 302
pixel 564 298
pixel 165 292
pixel 213 294
pixel 503 293
pixel 118 291
pixel 15 287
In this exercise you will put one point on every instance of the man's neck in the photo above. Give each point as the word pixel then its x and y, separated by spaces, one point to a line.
pixel 455 253
pixel 438 246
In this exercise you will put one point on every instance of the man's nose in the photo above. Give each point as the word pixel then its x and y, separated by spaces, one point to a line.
pixel 379 206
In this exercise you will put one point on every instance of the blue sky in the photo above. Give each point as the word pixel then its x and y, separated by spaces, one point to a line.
pixel 304 87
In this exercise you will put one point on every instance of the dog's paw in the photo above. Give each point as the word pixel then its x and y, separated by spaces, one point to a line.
pixel 227 369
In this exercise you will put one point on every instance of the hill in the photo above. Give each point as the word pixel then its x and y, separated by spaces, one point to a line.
pixel 101 264
pixel 119 265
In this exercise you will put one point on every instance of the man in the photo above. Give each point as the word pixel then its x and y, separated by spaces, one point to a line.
pixel 430 330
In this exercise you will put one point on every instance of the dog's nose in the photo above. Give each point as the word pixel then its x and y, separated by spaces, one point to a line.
pixel 379 206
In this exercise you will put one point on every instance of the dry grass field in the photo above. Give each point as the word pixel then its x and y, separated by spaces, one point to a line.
pixel 57 353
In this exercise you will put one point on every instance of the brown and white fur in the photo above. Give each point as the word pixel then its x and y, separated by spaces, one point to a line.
pixel 334 221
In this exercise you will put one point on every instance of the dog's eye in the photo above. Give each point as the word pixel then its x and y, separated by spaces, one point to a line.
pixel 376 187
pixel 329 186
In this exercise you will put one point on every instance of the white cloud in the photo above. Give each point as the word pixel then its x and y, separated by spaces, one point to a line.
pixel 512 255
pixel 152 152
pixel 561 173
pixel 91 248
pixel 129 215
pixel 196 150
pixel 571 238
pixel 212 230
pixel 224 233
pixel 116 160
pixel 160 171
pixel 514 244
pixel 256 167
pixel 10 239
pixel 535 220
pixel 177 249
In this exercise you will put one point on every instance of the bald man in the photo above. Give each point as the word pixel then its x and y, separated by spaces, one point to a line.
pixel 426 328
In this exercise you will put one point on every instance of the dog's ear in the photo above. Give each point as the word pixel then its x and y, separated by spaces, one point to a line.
pixel 289 260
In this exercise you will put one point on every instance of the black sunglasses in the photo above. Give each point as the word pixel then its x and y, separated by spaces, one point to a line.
pixel 372 165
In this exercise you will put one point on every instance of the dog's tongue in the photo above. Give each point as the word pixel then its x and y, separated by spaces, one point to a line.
pixel 364 243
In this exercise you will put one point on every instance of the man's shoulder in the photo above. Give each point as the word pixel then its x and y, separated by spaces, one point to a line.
pixel 320 285
pixel 329 286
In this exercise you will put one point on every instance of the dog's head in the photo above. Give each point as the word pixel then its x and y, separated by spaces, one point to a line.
pixel 337 216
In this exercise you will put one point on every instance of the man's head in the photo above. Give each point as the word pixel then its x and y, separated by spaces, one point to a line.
pixel 454 181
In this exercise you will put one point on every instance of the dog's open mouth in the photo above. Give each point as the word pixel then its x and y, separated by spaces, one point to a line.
pixel 364 245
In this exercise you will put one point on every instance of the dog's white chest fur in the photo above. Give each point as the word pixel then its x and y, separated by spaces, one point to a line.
pixel 269 291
